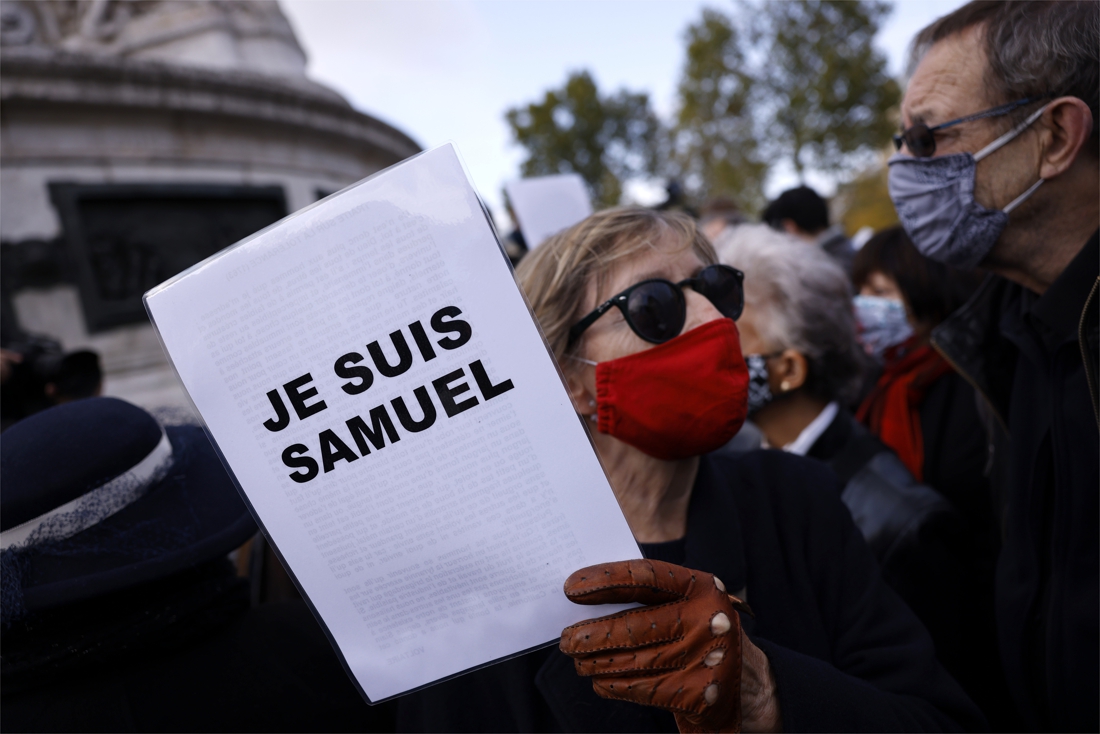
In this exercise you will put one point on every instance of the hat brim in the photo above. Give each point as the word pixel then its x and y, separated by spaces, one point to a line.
pixel 193 515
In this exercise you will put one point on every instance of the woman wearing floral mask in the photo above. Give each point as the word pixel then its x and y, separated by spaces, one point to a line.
pixel 642 321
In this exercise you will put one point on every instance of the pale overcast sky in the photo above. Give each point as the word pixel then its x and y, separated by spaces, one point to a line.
pixel 444 70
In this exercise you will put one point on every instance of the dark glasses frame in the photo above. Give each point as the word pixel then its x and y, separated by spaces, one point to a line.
pixel 697 283
pixel 921 139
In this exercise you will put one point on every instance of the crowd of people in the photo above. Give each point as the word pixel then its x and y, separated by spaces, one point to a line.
pixel 864 479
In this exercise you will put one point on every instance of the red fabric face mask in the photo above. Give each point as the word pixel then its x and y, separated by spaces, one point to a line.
pixel 683 398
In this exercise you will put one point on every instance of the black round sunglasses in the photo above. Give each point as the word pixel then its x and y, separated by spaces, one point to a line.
pixel 656 309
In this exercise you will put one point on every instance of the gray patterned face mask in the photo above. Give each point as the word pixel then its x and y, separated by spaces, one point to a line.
pixel 934 198
pixel 760 393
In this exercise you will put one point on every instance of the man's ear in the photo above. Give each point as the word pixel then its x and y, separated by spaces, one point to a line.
pixel 584 402
pixel 789 372
pixel 1067 124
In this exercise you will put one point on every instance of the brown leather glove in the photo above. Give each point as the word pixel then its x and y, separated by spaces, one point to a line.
pixel 682 654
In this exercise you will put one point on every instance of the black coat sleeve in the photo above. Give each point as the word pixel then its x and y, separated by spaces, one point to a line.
pixel 879 672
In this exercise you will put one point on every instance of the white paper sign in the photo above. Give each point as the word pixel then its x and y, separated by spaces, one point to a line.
pixel 372 375
pixel 546 205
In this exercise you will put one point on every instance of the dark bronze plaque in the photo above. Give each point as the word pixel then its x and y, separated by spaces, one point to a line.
pixel 124 239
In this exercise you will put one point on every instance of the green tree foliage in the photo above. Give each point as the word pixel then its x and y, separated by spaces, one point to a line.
pixel 713 145
pixel 780 79
pixel 825 90
pixel 606 139
pixel 775 80
pixel 865 201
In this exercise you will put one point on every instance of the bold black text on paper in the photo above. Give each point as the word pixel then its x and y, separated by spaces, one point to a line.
pixel 450 390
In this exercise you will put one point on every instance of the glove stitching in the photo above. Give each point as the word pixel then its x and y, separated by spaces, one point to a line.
pixel 622 615
pixel 652 587
pixel 642 672
pixel 593 650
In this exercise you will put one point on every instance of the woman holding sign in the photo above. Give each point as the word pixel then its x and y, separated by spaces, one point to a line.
pixel 641 319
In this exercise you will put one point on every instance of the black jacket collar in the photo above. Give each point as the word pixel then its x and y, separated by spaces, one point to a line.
pixel 1057 312
pixel 971 339
pixel 846 446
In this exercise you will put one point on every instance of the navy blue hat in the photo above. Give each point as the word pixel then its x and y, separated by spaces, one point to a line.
pixel 98 497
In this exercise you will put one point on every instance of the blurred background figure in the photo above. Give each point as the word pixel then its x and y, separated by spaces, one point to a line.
pixel 928 414
pixel 676 199
pixel 36 373
pixel 923 409
pixel 121 610
pixel 742 237
pixel 802 212
pixel 920 407
pixel 718 214
pixel 515 246
pixel 798 335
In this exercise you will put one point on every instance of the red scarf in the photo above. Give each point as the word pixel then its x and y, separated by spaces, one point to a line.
pixel 892 410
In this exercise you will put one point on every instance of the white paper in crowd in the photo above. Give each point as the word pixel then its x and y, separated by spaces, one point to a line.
pixel 545 205
pixel 428 481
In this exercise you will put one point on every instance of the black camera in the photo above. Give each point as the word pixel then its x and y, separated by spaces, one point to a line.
pixel 44 375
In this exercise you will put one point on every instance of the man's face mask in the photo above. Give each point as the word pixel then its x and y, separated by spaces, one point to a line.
pixel 934 198
pixel 882 323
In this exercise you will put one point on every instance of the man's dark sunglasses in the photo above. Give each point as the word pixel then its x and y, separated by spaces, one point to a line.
pixel 656 309
pixel 921 139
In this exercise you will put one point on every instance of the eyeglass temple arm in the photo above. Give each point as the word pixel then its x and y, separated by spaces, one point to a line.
pixel 580 326
pixel 987 113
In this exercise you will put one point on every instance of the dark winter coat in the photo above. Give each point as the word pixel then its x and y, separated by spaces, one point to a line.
pixel 911 529
pixel 836 244
pixel 936 557
pixel 956 450
pixel 846 652
pixel 1034 359
pixel 181 654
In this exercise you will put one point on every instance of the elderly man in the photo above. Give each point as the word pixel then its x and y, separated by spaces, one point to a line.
pixel 998 166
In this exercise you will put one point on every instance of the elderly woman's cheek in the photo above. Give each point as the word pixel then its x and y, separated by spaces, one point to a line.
pixel 612 341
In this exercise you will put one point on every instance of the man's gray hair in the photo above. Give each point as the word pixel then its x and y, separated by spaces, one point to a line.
pixel 1035 49
pixel 803 301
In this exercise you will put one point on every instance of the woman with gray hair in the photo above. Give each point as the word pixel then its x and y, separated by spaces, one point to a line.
pixel 798 337
pixel 801 304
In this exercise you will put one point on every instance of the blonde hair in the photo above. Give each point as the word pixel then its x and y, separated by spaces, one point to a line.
pixel 556 275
